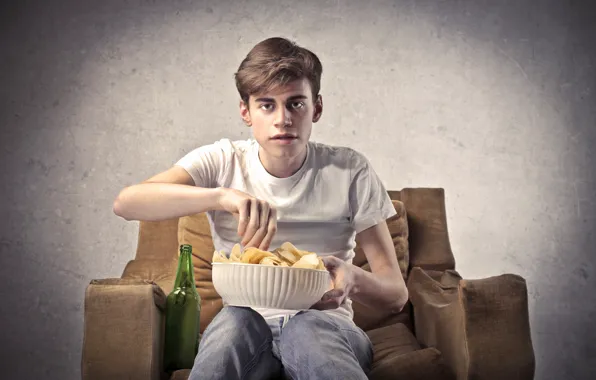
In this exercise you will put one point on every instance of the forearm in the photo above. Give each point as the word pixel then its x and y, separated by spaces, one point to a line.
pixel 379 290
pixel 161 201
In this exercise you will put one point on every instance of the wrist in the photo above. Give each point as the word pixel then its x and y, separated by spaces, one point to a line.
pixel 356 274
pixel 220 194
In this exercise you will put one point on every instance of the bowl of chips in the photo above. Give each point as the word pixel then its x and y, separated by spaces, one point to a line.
pixel 285 278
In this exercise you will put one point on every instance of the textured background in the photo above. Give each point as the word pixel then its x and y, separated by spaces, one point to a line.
pixel 493 101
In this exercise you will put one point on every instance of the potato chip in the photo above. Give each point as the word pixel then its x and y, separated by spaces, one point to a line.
pixel 310 261
pixel 253 255
pixel 287 246
pixel 274 261
pixel 285 256
pixel 321 264
pixel 220 257
pixel 236 254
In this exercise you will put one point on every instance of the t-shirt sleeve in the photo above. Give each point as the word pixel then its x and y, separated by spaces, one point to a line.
pixel 206 164
pixel 369 201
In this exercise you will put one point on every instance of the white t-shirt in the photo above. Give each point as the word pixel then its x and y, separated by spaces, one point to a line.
pixel 320 208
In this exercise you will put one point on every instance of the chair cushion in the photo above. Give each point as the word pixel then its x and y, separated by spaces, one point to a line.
pixel 427 224
pixel 424 364
pixel 391 341
pixel 181 374
pixel 157 240
pixel 398 355
pixel 398 228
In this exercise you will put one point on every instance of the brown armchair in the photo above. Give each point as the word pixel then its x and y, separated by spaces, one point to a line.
pixel 451 329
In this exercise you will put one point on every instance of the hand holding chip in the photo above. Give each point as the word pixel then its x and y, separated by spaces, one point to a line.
pixel 257 219
pixel 343 282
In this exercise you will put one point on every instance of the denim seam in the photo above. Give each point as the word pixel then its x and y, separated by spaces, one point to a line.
pixel 255 360
pixel 351 331
pixel 371 352
pixel 291 369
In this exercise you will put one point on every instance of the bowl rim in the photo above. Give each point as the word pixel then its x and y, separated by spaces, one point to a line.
pixel 269 266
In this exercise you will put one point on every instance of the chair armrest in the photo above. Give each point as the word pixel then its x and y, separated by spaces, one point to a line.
pixel 159 271
pixel 123 330
pixel 480 326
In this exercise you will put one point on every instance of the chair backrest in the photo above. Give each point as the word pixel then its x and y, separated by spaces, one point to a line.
pixel 427 224
pixel 157 240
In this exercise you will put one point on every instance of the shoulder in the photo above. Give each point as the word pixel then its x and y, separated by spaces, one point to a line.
pixel 335 153
pixel 343 156
pixel 225 147
pixel 208 164
pixel 218 154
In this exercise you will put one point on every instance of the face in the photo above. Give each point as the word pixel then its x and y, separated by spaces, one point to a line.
pixel 281 120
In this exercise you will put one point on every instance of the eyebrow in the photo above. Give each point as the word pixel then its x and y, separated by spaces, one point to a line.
pixel 271 100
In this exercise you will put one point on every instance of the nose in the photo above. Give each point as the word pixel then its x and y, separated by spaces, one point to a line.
pixel 283 118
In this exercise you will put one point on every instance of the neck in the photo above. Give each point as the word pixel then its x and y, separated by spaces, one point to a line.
pixel 282 167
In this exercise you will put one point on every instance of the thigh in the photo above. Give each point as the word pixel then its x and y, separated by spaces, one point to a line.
pixel 357 339
pixel 237 344
pixel 313 339
pixel 233 323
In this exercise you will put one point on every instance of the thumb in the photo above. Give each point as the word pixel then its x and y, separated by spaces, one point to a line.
pixel 331 262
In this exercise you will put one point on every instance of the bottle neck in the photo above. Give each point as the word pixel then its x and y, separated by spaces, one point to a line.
pixel 185 273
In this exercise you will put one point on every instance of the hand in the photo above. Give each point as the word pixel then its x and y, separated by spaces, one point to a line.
pixel 257 220
pixel 343 282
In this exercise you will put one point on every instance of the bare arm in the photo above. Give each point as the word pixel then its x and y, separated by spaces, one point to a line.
pixel 385 286
pixel 167 195
pixel 173 194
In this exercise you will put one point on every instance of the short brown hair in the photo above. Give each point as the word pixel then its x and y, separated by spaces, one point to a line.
pixel 273 63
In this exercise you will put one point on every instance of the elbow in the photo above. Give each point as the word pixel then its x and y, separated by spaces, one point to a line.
pixel 405 298
pixel 119 206
pixel 400 301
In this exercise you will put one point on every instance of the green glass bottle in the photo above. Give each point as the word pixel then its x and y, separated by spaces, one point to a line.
pixel 183 310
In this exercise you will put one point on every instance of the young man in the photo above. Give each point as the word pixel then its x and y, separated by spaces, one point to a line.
pixel 281 187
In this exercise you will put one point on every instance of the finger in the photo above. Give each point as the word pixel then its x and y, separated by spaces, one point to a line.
pixel 262 230
pixel 253 222
pixel 330 300
pixel 332 294
pixel 243 215
pixel 271 229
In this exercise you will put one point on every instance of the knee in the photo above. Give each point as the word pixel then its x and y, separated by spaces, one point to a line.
pixel 310 320
pixel 238 313
pixel 305 326
pixel 240 321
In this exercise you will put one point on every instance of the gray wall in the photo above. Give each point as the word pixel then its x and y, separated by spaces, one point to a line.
pixel 493 101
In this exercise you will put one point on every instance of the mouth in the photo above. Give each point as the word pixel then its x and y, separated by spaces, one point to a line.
pixel 284 137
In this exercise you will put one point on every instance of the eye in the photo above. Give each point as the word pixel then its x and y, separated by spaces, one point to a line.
pixel 266 106
pixel 297 105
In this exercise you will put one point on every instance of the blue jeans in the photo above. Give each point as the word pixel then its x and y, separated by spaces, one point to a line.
pixel 240 344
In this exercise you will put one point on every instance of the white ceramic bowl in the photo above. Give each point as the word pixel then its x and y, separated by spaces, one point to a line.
pixel 268 286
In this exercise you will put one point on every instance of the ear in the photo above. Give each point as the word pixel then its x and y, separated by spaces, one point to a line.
pixel 318 109
pixel 245 113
